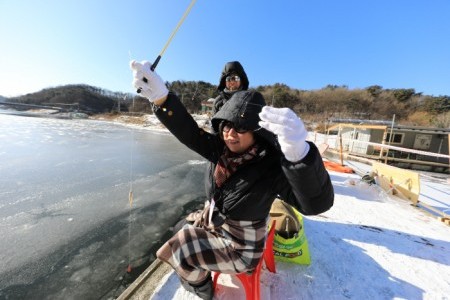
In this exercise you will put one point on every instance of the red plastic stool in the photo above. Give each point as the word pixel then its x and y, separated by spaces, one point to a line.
pixel 251 281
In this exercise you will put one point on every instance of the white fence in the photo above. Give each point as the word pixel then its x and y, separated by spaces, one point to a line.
pixel 332 141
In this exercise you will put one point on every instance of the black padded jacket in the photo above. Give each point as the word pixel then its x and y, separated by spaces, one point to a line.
pixel 249 192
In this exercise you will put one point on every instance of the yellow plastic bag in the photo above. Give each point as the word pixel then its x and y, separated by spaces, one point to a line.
pixel 290 242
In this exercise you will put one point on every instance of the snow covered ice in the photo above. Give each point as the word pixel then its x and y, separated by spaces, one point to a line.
pixel 369 245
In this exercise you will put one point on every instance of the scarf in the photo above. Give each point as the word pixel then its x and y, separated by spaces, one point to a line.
pixel 229 162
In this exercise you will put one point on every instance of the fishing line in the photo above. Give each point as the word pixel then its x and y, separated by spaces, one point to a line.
pixel 130 193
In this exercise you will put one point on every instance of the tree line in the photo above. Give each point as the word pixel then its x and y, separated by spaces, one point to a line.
pixel 318 106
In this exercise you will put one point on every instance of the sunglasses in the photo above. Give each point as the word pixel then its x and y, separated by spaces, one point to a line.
pixel 233 78
pixel 226 127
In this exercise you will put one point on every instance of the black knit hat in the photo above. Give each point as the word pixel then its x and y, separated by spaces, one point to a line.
pixel 243 110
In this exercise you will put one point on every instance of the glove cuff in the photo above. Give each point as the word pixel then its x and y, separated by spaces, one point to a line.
pixel 305 151
pixel 302 151
pixel 160 97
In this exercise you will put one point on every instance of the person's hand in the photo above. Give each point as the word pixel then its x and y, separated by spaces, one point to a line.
pixel 147 82
pixel 200 218
pixel 290 130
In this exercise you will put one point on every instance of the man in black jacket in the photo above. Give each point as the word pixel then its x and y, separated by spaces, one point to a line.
pixel 255 153
pixel 232 79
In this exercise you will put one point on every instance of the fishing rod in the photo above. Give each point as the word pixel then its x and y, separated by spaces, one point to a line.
pixel 155 63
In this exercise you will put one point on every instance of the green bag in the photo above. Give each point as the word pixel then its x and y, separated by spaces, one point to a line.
pixel 290 243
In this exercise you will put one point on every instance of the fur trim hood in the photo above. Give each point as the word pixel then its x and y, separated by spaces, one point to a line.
pixel 233 67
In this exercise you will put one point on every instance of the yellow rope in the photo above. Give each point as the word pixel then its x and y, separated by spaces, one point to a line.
pixel 130 198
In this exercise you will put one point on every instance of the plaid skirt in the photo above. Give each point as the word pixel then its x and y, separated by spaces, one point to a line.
pixel 236 247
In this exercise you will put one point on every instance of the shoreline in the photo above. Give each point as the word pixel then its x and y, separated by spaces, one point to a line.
pixel 147 283
pixel 147 121
pixel 143 121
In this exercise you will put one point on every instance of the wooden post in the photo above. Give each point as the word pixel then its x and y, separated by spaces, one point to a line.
pixel 353 139
pixel 340 147
pixel 390 139
pixel 383 141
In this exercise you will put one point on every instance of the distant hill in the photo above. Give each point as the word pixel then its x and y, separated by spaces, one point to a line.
pixel 3 99
pixel 95 100
pixel 80 97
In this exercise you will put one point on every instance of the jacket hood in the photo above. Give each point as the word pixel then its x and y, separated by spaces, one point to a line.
pixel 243 110
pixel 233 67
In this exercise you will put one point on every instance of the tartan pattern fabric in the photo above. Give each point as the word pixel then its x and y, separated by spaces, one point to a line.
pixel 229 162
pixel 194 252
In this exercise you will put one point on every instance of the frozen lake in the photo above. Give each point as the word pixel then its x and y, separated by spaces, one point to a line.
pixel 68 229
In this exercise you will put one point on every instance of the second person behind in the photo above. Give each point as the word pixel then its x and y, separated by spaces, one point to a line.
pixel 232 79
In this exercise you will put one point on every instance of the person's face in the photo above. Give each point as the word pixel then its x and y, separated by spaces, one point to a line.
pixel 237 140
pixel 233 82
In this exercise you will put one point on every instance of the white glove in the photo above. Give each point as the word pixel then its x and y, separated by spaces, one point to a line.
pixel 147 82
pixel 290 130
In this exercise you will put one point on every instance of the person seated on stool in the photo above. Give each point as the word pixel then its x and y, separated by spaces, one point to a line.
pixel 256 153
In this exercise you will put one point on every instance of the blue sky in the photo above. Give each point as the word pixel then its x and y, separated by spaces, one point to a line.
pixel 304 44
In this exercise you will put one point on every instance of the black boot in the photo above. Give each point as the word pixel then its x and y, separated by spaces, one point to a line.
pixel 203 289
